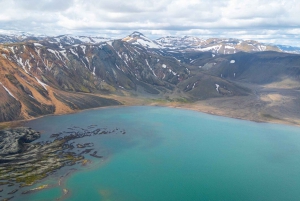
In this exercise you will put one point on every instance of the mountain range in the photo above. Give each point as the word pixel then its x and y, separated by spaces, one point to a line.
pixel 246 79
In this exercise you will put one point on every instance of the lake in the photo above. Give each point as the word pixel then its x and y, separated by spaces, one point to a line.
pixel 172 154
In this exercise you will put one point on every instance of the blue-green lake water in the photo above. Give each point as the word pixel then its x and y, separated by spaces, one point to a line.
pixel 172 154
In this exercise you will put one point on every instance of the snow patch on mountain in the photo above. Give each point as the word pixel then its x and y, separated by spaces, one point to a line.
pixel 64 53
pixel 229 47
pixel 83 47
pixel 150 68
pixel 42 83
pixel 73 52
pixel 217 87
pixel 38 44
pixel 137 38
pixel 6 89
pixel 214 49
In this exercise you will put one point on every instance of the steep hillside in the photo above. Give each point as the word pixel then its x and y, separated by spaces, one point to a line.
pixel 256 68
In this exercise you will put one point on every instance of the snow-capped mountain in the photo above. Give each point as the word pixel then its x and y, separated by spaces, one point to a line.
pixel 289 49
pixel 63 39
pixel 16 38
pixel 214 45
pixel 168 43
pixel 173 42
pixel 190 43
pixel 44 76
pixel 75 40
pixel 137 38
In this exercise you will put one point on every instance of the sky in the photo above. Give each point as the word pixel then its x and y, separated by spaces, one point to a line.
pixel 269 21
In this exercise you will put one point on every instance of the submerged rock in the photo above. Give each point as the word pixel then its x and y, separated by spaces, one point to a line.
pixel 66 191
pixel 36 189
pixel 12 141
pixel 14 191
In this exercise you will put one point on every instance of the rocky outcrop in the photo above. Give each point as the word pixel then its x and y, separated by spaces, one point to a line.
pixel 13 141
pixel 27 166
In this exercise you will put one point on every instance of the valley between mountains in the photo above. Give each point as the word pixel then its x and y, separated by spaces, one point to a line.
pixel 230 77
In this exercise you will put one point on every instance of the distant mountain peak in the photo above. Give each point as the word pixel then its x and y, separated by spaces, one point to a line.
pixel 137 38
pixel 136 34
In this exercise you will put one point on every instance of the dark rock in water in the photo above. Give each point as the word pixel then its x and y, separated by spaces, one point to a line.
pixel 6 199
pixel 4 183
pixel 54 135
pixel 95 155
pixel 12 140
pixel 12 192
pixel 86 151
pixel 80 146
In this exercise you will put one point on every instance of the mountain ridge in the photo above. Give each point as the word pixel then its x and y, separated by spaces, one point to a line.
pixel 65 74
pixel 183 43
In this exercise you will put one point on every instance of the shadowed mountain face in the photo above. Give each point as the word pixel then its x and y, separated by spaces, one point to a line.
pixel 52 75
pixel 257 68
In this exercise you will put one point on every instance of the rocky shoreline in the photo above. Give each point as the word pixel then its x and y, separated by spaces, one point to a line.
pixel 23 163
pixel 13 141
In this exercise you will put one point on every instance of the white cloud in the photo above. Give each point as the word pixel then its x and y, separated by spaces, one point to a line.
pixel 276 20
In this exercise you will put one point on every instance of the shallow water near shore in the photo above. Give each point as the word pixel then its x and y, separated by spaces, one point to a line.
pixel 173 154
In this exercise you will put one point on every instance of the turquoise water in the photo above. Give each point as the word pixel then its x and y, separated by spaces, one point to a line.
pixel 172 154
